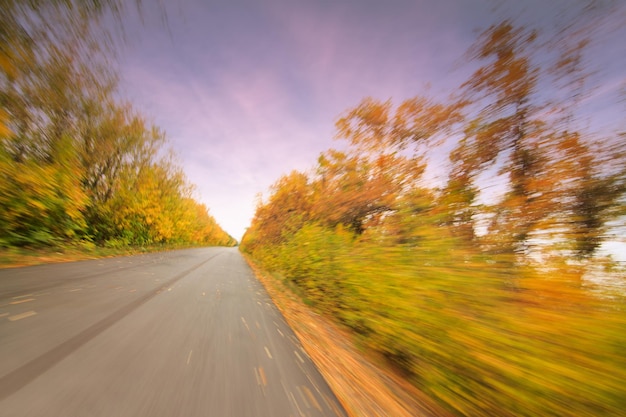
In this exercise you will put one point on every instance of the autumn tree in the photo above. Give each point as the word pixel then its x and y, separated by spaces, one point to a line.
pixel 75 163
pixel 477 299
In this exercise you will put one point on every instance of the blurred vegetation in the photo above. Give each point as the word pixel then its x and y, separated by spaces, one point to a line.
pixel 494 306
pixel 76 164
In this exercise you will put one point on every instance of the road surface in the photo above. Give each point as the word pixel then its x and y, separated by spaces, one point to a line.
pixel 182 333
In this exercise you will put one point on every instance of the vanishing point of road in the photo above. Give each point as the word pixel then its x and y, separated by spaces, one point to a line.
pixel 181 333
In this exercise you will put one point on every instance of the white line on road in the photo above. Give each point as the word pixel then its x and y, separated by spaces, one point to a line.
pixel 22 296
pixel 22 316
pixel 268 352
pixel 245 324
pixel 189 356
pixel 303 397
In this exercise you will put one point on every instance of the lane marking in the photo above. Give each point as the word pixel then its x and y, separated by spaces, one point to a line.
pixel 281 333
pixel 303 397
pixel 296 404
pixel 22 316
pixel 22 296
pixel 133 290
pixel 189 356
pixel 311 397
pixel 245 324
pixel 75 289
pixel 3 314
pixel 22 301
pixel 268 352
pixel 299 357
pixel 306 355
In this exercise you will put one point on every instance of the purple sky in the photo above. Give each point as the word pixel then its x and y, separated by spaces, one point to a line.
pixel 250 90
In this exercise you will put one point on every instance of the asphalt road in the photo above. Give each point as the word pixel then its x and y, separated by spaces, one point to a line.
pixel 183 333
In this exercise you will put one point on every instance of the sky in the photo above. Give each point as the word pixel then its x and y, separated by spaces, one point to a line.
pixel 247 91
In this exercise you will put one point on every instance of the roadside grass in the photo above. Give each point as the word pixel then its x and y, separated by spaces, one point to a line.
pixel 480 336
pixel 15 257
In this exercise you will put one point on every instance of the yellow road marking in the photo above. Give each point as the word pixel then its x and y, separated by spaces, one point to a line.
pixel 22 316
pixel 22 301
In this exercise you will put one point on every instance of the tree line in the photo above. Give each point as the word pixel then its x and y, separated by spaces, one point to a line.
pixel 485 299
pixel 76 163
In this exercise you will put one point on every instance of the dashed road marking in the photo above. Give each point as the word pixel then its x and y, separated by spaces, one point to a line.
pixel 311 398
pixel 76 289
pixel 269 355
pixel 244 323
pixel 22 316
pixel 189 357
pixel 299 357
pixel 22 296
pixel 22 301
pixel 3 314
pixel 293 399
pixel 303 397
pixel 261 379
